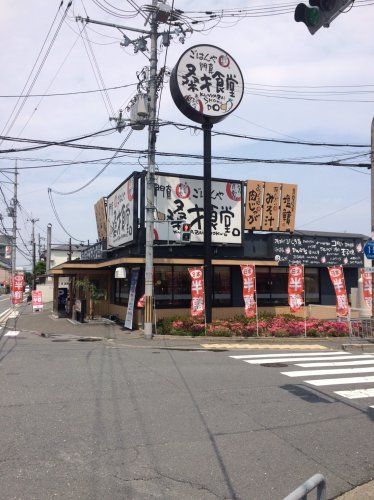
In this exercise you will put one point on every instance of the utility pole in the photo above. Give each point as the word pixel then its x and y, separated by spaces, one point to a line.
pixel 14 235
pixel 158 12
pixel 48 252
pixel 33 246
pixel 372 206
pixel 150 181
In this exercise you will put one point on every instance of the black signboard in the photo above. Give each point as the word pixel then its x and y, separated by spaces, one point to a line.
pixel 318 251
pixel 94 252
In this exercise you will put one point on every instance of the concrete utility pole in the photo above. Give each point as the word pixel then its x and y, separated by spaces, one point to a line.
pixel 48 252
pixel 33 246
pixel 159 12
pixel 14 235
pixel 372 204
pixel 150 181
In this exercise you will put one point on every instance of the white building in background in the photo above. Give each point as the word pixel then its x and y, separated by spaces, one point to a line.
pixel 60 253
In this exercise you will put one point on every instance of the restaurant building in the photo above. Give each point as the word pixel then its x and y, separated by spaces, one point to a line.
pixel 101 279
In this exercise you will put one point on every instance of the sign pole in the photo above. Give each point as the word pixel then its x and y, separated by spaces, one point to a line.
pixel 372 202
pixel 208 277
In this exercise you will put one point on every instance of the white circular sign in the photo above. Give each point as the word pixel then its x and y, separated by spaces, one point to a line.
pixel 206 84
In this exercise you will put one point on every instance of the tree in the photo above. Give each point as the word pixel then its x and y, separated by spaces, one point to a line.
pixel 40 268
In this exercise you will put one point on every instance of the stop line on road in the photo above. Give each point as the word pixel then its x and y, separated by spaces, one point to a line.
pixel 328 365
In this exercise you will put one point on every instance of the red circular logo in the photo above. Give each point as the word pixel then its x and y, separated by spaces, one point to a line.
pixel 183 190
pixel 234 191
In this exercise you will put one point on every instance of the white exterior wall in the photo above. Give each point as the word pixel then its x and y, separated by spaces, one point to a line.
pixel 60 256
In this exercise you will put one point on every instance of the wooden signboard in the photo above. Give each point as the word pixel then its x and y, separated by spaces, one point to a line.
pixel 253 205
pixel 100 213
pixel 288 208
pixel 270 211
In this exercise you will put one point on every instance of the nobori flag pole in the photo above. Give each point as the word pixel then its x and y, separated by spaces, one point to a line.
pixel 207 85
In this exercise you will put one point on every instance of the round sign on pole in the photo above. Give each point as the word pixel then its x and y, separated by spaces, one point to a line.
pixel 206 84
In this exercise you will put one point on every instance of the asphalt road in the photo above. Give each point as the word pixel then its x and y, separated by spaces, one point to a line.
pixel 131 420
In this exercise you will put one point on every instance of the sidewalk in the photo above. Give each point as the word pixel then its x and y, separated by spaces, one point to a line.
pixel 42 323
pixel 364 492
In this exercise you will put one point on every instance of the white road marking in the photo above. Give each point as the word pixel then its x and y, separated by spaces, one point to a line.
pixel 289 355
pixel 359 393
pixel 4 313
pixel 11 333
pixel 341 381
pixel 290 360
pixel 338 371
pixel 336 363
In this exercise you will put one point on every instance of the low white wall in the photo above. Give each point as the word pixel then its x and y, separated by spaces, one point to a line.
pixel 47 291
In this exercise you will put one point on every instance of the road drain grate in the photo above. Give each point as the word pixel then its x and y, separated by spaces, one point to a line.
pixel 274 365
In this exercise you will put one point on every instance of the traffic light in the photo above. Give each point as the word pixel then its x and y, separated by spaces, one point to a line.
pixel 186 232
pixel 320 13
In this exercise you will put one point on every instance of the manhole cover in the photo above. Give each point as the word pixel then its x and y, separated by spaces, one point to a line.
pixel 274 365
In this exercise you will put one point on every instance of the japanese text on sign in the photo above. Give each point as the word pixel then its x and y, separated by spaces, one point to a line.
pixel 120 216
pixel 181 199
pixel 337 278
pixel 249 290
pixel 209 80
pixel 295 287
pixel 197 291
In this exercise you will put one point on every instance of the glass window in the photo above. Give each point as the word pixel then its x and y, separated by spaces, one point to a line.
pixel 163 285
pixel 263 285
pixel 221 286
pixel 279 285
pixel 121 289
pixel 311 278
pixel 181 287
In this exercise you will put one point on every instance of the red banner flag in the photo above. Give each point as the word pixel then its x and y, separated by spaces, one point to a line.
pixel 295 287
pixel 249 290
pixel 18 282
pixel 337 279
pixel 37 300
pixel 367 288
pixel 197 291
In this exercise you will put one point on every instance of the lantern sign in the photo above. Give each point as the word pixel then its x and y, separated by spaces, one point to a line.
pixel 206 84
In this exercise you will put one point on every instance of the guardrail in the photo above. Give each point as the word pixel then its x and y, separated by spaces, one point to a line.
pixel 361 328
pixel 317 481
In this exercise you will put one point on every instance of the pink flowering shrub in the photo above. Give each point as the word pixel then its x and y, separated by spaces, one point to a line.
pixel 268 325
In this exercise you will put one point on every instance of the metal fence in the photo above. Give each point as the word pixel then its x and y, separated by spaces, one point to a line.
pixel 361 329
pixel 301 493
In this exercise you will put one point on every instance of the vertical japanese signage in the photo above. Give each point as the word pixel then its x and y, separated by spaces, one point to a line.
pixel 295 287
pixel 270 206
pixel 288 208
pixel 180 200
pixel 101 222
pixel 197 291
pixel 337 278
pixel 249 290
pixel 367 288
pixel 253 218
pixel 131 301
pixel 270 211
pixel 18 283
pixel 122 213
pixel 37 300
pixel 206 83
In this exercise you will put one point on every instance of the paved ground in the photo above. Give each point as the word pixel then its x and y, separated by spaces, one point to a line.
pixel 167 418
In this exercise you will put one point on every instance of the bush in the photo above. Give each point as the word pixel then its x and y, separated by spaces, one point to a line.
pixel 268 325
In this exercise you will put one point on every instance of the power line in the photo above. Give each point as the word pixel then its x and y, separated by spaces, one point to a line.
pixel 77 92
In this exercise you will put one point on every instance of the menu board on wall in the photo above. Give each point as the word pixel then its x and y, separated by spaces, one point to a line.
pixel 318 251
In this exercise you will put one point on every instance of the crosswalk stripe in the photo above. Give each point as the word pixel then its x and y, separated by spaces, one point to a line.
pixel 341 381
pixel 289 355
pixel 290 360
pixel 356 394
pixel 336 363
pixel 337 371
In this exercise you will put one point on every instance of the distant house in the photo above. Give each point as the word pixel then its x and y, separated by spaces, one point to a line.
pixel 60 253
pixel 5 270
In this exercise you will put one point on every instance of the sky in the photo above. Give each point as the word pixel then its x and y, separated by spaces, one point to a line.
pixel 316 88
